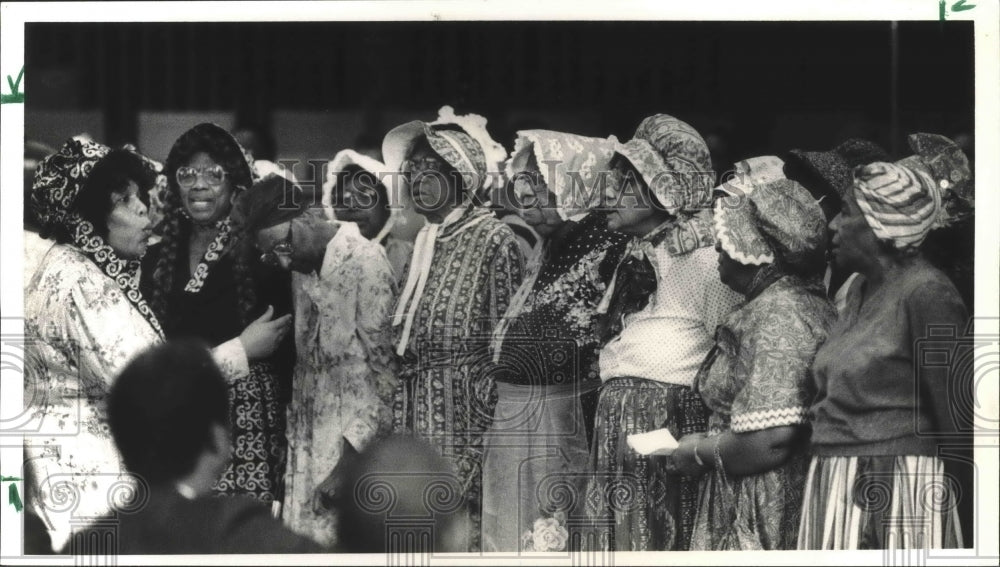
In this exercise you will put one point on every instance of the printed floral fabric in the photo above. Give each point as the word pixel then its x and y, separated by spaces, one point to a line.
pixel 561 304
pixel 759 377
pixel 344 376
pixel 446 396
pixel 58 180
pixel 674 161
pixel 571 165
pixel 81 330
pixel 546 363
pixel 400 253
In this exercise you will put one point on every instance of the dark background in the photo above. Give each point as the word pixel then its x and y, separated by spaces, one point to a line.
pixel 750 87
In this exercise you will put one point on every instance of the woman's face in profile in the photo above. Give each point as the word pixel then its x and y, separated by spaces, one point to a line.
pixel 853 244
pixel 129 227
pixel 206 189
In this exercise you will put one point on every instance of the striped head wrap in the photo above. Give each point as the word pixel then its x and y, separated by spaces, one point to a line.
pixel 900 204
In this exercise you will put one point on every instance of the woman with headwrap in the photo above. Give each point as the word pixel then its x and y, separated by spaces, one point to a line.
pixel 345 370
pixel 828 175
pixel 545 348
pixel 876 480
pixel 771 237
pixel 662 309
pixel 203 281
pixel 466 267
pixel 355 192
pixel 86 319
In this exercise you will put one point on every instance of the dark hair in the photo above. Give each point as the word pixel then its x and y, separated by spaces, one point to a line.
pixel 420 483
pixel 221 146
pixel 111 175
pixel 162 406
pixel 828 196
pixel 257 140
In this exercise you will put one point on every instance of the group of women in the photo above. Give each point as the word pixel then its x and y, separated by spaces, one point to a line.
pixel 650 299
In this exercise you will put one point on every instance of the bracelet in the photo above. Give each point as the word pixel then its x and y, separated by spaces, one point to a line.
pixel 697 458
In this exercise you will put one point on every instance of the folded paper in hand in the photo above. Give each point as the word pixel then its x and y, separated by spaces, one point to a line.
pixel 659 442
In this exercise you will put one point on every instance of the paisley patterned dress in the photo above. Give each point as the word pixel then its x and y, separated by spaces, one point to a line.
pixel 758 377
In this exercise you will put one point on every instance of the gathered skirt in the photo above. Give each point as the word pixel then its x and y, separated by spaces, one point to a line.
pixel 878 502
pixel 534 469
pixel 752 512
pixel 636 502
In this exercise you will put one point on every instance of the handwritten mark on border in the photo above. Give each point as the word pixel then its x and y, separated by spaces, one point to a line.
pixel 13 498
pixel 959 6
pixel 15 96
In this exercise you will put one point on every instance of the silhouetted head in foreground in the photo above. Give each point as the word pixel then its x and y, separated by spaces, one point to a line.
pixel 401 496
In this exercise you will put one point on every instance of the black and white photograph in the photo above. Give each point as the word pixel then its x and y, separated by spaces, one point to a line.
pixel 500 283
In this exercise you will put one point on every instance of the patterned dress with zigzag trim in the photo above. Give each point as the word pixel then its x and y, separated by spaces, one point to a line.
pixel 758 377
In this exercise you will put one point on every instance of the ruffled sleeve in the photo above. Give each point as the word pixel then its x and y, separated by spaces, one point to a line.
pixel 232 360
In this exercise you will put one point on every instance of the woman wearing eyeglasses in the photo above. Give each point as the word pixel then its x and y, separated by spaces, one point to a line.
pixel 203 281
pixel 345 373
pixel 87 319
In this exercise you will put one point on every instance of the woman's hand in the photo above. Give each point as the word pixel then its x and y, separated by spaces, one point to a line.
pixel 261 338
pixel 684 455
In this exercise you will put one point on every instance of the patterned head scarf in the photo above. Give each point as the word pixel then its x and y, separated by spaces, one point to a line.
pixel 561 158
pixel 467 147
pixel 674 161
pixel 59 179
pixel 771 220
pixel 900 204
pixel 945 163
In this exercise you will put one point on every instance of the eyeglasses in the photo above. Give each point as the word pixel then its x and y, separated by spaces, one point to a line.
pixel 188 176
pixel 283 249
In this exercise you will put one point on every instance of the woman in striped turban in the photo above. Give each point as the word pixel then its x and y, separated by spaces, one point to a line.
pixel 875 479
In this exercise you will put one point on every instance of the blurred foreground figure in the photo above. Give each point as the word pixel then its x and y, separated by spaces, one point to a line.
pixel 400 496
pixel 169 415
